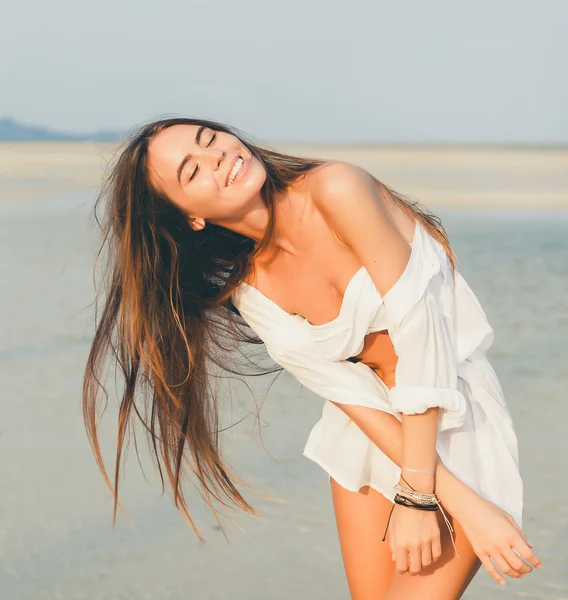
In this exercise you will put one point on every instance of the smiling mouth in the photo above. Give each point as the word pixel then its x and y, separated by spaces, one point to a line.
pixel 235 171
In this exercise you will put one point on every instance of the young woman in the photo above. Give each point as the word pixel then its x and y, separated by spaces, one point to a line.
pixel 352 288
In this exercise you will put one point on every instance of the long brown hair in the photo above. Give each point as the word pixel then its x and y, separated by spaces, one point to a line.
pixel 168 319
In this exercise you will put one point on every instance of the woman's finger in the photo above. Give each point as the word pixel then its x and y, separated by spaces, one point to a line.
pixel 503 566
pixel 526 553
pixel 401 559
pixel 512 558
pixel 436 548
pixel 426 555
pixel 490 568
pixel 520 531
pixel 414 560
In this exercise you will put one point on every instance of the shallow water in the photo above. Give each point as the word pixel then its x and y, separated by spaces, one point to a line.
pixel 56 541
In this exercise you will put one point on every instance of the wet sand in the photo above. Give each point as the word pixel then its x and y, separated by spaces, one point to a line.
pixel 56 540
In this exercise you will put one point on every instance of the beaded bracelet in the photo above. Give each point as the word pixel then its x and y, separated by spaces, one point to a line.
pixel 417 497
pixel 402 501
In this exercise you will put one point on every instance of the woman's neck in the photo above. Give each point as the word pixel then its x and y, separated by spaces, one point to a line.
pixel 290 208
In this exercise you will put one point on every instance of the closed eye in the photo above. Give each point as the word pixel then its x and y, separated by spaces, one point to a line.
pixel 211 142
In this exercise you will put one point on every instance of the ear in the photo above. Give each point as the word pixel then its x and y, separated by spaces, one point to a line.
pixel 196 223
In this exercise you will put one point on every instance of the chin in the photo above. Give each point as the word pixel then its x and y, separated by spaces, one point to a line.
pixel 253 180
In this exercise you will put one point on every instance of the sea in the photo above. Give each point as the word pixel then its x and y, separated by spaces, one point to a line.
pixel 57 541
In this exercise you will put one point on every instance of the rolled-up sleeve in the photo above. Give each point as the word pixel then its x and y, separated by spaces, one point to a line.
pixel 420 324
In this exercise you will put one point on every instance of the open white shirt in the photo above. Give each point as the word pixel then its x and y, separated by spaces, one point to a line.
pixel 440 334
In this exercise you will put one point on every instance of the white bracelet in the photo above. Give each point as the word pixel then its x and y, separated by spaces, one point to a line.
pixel 418 471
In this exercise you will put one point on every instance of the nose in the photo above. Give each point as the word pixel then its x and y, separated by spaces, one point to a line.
pixel 214 155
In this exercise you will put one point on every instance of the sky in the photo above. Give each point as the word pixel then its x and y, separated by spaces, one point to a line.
pixel 417 71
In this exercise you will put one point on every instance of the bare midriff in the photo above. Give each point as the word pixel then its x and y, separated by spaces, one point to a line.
pixel 378 354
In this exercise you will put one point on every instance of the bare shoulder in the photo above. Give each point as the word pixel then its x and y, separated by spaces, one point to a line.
pixel 341 190
pixel 338 179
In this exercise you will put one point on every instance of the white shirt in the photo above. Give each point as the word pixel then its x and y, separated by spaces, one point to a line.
pixel 440 334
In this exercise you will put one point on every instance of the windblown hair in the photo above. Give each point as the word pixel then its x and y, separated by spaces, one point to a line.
pixel 168 315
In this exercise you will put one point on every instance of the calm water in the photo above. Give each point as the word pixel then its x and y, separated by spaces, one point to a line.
pixel 55 536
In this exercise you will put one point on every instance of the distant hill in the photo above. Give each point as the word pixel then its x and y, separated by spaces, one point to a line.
pixel 12 131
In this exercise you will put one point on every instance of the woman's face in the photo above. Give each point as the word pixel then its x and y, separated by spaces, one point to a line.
pixel 194 167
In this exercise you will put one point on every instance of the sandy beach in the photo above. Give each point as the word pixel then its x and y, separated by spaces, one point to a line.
pixel 506 214
pixel 502 178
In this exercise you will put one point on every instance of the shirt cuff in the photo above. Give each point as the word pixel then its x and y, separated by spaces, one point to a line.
pixel 413 400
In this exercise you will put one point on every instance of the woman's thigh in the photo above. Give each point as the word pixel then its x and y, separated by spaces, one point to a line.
pixel 361 520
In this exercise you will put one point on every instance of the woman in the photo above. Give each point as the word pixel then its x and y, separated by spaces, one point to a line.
pixel 352 288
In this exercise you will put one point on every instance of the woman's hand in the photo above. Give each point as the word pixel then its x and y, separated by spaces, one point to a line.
pixel 414 538
pixel 494 536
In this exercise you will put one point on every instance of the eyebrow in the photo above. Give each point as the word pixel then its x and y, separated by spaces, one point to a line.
pixel 188 157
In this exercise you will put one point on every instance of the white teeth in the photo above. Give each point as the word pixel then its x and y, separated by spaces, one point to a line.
pixel 235 170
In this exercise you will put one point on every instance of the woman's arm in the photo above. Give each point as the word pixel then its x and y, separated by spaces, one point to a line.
pixel 492 532
pixel 419 433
